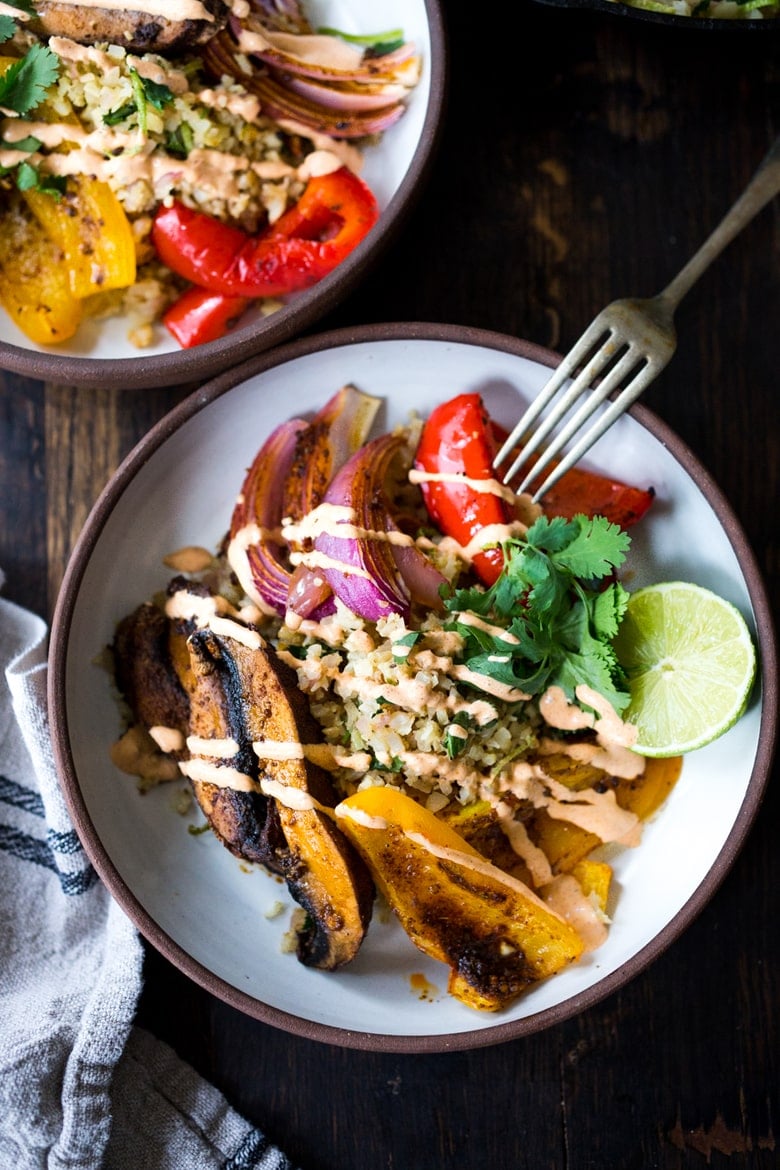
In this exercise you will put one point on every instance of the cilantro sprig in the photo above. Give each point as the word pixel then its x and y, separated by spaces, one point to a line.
pixel 558 607
pixel 145 93
pixel 8 22
pixel 23 86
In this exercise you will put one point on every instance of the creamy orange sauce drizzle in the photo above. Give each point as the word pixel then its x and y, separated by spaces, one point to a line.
pixel 557 711
pixel 489 487
pixel 116 157
pixel 596 812
pixel 348 155
pixel 339 521
pixel 325 755
pixel 330 52
pixel 216 749
pixel 71 52
pixel 490 686
pixel 206 772
pixel 467 618
pixel 609 726
pixel 320 560
pixel 290 797
pixel 516 833
pixel 191 607
pixel 478 865
pixel 191 559
pixel 123 157
pixel 168 739
pixel 565 897
pixel 227 628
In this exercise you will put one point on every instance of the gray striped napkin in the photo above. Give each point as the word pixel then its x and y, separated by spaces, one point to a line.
pixel 81 1087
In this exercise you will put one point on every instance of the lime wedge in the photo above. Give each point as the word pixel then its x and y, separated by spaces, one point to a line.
pixel 690 662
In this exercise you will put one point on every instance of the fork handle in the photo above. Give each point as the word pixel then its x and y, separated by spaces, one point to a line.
pixel 762 187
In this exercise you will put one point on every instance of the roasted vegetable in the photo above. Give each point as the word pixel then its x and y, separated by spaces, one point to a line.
pixel 34 286
pixel 225 783
pixel 90 226
pixel 334 214
pixel 247 726
pixel 145 671
pixel 494 933
pixel 566 845
pixel 243 693
pixel 138 30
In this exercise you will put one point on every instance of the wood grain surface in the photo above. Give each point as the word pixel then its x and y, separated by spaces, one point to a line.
pixel 584 157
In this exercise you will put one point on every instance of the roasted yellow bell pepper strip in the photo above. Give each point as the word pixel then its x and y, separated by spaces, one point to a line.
pixel 565 844
pixel 34 285
pixel 493 932
pixel 90 225
pixel 595 878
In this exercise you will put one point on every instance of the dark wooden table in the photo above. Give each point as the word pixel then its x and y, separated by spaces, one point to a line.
pixel 584 157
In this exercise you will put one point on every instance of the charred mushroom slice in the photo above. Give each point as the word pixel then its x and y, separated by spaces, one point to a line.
pixel 243 696
pixel 222 768
pixel 144 670
pixel 145 30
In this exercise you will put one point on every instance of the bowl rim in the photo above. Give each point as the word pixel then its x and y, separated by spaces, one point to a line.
pixel 624 9
pixel 208 360
pixel 215 985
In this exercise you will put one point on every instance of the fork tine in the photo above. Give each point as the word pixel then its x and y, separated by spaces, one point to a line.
pixel 610 382
pixel 579 386
pixel 619 406
pixel 594 334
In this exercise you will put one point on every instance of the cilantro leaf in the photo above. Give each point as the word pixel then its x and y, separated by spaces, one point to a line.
pixel 597 549
pixel 120 114
pixel 551 616
pixel 28 144
pixel 454 740
pixel 7 27
pixel 377 44
pixel 156 94
pixel 179 142
pixel 29 178
pixel 24 85
pixel 145 93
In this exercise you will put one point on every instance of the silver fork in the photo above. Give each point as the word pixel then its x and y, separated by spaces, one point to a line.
pixel 621 352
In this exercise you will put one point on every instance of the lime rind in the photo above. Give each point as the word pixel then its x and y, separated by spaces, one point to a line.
pixel 690 662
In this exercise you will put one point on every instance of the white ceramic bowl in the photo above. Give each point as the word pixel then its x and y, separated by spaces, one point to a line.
pixel 395 169
pixel 186 893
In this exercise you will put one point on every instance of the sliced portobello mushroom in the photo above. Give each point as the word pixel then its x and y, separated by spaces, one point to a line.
pixel 143 32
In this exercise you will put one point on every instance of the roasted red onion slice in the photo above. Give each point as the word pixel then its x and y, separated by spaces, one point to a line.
pixel 326 58
pixel 288 478
pixel 422 578
pixel 349 96
pixel 278 101
pixel 254 551
pixel 337 431
pixel 297 79
pixel 310 594
pixel 362 565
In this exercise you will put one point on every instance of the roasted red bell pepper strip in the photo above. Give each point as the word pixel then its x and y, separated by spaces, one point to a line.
pixel 580 491
pixel 199 316
pixel 457 439
pixel 584 491
pixel 330 219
